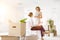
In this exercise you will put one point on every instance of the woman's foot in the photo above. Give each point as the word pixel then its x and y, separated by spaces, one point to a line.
pixel 42 38
pixel 47 32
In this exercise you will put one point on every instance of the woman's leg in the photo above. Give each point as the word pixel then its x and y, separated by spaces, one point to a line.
pixel 40 28
pixel 42 34
pixel 47 32
pixel 42 38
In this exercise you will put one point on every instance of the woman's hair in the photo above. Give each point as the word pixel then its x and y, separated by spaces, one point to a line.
pixel 38 8
pixel 30 14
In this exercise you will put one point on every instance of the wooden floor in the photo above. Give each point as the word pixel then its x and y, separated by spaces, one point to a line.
pixel 34 37
pixel 45 38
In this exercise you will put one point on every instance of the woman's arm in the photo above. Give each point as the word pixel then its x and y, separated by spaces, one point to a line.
pixel 36 16
pixel 39 16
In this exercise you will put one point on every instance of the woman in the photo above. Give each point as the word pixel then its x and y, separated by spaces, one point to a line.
pixel 38 15
pixel 32 27
pixel 29 24
pixel 38 26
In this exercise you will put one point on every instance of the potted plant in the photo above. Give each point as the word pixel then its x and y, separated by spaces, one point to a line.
pixel 51 25
pixel 23 20
pixel 23 26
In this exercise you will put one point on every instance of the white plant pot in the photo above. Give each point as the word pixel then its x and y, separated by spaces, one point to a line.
pixel 22 29
pixel 51 34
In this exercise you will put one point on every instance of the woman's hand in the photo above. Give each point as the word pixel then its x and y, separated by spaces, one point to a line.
pixel 40 23
pixel 38 17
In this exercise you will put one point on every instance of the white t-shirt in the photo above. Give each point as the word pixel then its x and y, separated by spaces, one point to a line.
pixel 29 24
pixel 36 21
pixel 37 13
pixel 30 21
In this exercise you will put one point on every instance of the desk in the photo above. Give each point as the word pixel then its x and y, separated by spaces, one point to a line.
pixel 6 37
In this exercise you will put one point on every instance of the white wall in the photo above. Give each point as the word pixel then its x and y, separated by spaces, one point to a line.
pixel 16 9
pixel 50 10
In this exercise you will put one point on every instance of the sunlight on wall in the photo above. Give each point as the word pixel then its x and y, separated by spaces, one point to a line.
pixel 9 10
pixel 3 16
pixel 3 11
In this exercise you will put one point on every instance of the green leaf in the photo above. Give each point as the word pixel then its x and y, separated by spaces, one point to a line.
pixel 23 20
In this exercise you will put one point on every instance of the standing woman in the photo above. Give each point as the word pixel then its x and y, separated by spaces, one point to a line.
pixel 38 15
